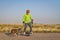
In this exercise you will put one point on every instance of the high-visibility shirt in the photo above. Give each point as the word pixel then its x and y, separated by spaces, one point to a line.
pixel 27 18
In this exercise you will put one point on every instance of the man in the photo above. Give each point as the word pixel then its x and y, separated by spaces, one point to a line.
pixel 27 21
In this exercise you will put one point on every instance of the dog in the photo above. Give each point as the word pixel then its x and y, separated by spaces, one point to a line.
pixel 16 31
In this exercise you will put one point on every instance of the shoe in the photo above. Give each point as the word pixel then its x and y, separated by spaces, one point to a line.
pixel 24 33
pixel 31 32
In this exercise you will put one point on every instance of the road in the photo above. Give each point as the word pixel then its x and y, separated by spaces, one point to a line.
pixel 34 36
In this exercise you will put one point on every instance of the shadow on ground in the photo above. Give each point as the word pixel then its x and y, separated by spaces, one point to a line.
pixel 21 34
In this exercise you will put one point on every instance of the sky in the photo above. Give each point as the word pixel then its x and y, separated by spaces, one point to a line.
pixel 42 11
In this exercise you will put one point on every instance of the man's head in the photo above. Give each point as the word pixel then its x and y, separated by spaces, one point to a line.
pixel 27 11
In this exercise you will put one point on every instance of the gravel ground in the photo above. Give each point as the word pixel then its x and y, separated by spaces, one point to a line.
pixel 34 36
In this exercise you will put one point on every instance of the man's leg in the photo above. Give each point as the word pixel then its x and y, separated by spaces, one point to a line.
pixel 25 26
pixel 30 25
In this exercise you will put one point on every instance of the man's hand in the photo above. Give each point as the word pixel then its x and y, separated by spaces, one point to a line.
pixel 32 21
pixel 23 21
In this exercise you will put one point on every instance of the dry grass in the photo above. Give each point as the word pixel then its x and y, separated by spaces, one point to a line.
pixel 36 27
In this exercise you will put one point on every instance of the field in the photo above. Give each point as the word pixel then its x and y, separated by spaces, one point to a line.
pixel 40 32
pixel 37 28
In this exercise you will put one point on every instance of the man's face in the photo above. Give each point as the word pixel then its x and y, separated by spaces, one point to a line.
pixel 27 11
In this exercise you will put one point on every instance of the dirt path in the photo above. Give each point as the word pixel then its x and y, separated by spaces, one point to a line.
pixel 35 36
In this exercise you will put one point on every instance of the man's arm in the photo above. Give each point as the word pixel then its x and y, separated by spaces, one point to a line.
pixel 31 19
pixel 23 18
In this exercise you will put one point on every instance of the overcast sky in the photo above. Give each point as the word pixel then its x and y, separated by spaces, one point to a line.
pixel 43 11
